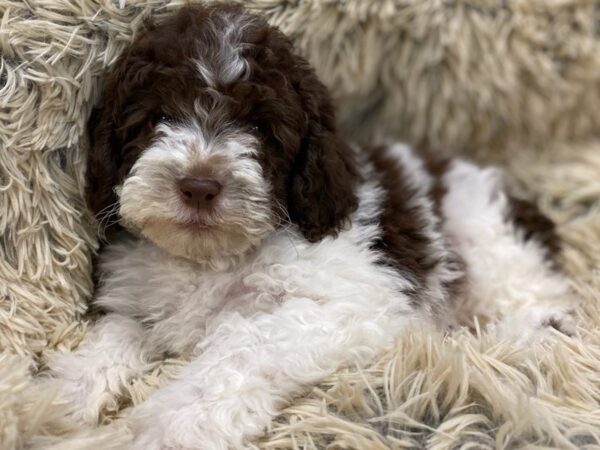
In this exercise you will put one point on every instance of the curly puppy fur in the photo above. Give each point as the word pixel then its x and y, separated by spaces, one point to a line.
pixel 261 244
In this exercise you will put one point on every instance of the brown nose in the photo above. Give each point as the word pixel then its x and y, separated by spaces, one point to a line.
pixel 199 192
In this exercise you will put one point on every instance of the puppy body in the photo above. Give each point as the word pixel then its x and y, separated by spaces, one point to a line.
pixel 304 255
pixel 289 312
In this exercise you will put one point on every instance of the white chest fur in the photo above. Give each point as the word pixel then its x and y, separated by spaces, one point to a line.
pixel 179 302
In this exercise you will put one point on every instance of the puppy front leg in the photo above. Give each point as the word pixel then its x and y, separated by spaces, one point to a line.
pixel 92 377
pixel 249 368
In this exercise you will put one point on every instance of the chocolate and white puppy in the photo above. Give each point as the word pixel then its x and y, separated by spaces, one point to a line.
pixel 264 246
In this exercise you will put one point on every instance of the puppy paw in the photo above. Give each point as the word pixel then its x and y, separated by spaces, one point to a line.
pixel 87 392
pixel 538 323
pixel 168 430
pixel 561 321
pixel 155 428
pixel 174 419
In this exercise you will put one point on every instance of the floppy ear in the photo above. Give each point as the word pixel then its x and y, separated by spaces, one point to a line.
pixel 102 163
pixel 323 176
pixel 109 131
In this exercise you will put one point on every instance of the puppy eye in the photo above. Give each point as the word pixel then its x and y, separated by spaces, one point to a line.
pixel 255 129
pixel 161 118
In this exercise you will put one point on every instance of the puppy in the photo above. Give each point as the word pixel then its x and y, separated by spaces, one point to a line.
pixel 266 248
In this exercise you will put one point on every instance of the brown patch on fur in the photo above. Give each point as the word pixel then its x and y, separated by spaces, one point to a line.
pixel 528 217
pixel 278 98
pixel 436 166
pixel 403 240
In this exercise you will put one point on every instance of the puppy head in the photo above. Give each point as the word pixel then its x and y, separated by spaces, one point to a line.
pixel 212 133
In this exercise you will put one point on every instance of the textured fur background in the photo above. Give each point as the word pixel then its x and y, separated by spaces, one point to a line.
pixel 515 81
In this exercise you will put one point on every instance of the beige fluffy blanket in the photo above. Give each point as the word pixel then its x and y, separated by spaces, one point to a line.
pixel 517 82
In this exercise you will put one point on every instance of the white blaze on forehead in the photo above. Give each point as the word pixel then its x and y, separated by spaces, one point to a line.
pixel 176 142
pixel 228 64
pixel 179 142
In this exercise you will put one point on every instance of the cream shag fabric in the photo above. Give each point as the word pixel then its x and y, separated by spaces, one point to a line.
pixel 514 81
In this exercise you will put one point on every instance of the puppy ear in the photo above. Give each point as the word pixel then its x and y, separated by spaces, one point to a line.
pixel 102 163
pixel 108 132
pixel 323 176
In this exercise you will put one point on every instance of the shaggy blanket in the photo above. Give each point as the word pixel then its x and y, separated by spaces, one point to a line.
pixel 516 82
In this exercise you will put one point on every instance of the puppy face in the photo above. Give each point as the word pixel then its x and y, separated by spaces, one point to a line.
pixel 212 133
